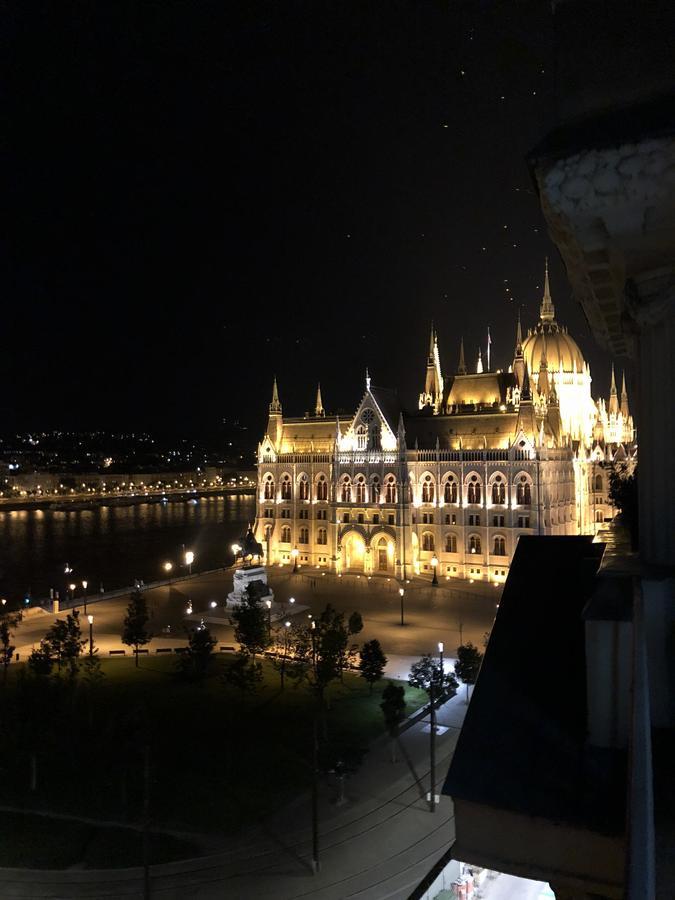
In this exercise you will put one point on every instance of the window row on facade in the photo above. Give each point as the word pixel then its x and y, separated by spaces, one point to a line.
pixel 360 490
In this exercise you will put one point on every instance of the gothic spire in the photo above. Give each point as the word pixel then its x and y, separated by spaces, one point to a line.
pixel 275 405
pixel 318 409
pixel 613 397
pixel 432 342
pixel 461 368
pixel 624 397
pixel 525 393
pixel 546 310
pixel 519 338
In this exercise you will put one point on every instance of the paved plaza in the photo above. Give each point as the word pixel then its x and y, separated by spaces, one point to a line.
pixel 445 612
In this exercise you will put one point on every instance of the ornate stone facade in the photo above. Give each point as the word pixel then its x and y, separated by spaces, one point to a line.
pixel 486 457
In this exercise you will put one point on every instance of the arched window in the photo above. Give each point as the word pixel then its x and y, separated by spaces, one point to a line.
pixel 500 546
pixel 360 489
pixel 598 515
pixel 450 491
pixel 268 532
pixel 286 488
pixel 346 491
pixel 428 541
pixel 428 489
pixel 322 536
pixel 269 488
pixel 322 488
pixel 474 490
pixel 451 543
pixel 286 534
pixel 375 490
pixel 303 488
pixel 523 492
pixel 474 544
pixel 498 490
pixel 304 536
pixel 361 437
pixel 598 482
pixel 390 489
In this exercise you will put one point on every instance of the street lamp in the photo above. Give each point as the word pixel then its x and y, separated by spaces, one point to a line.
pixel 91 635
pixel 291 601
pixel 72 591
pixel 189 559
pixel 401 592
pixel 236 550
pixel 84 588
pixel 168 567
pixel 440 656
pixel 294 554
pixel 268 604
pixel 434 566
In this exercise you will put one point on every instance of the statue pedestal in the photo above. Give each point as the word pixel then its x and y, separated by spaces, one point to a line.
pixel 242 578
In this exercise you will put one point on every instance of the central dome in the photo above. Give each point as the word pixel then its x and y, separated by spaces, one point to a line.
pixel 559 347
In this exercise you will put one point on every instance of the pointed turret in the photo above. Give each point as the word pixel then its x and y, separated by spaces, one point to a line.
pixel 518 360
pixel 275 422
pixel 433 383
pixel 546 310
pixel 613 396
pixel 479 364
pixel 367 379
pixel 525 393
pixel 461 368
pixel 624 397
pixel 275 405
pixel 318 408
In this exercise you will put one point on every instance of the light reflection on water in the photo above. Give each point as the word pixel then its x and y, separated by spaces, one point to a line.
pixel 113 545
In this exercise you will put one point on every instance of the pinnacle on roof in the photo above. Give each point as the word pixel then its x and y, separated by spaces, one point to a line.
pixel 318 409
pixel 275 405
pixel 546 310
pixel 519 337
pixel 461 368
pixel 612 389
pixel 432 342
pixel 479 364
pixel 525 393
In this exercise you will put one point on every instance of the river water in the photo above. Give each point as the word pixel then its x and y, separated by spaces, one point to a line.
pixel 113 545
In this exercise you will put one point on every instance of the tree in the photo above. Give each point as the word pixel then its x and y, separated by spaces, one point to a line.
pixel 92 677
pixel 243 674
pixel 426 674
pixel 7 622
pixel 135 633
pixel 393 710
pixel 64 642
pixel 468 663
pixel 195 661
pixel 372 662
pixel 355 624
pixel 250 622
pixel 40 661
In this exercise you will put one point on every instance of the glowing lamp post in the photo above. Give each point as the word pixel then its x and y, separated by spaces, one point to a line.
pixel 434 566
pixel 268 604
pixel 72 591
pixel 236 550
pixel 91 635
pixel 294 554
pixel 84 589
pixel 401 593
pixel 189 559
pixel 440 657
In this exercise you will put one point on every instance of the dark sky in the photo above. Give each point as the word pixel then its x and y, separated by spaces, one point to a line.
pixel 204 194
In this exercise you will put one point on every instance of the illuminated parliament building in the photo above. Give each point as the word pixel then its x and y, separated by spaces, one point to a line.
pixel 486 457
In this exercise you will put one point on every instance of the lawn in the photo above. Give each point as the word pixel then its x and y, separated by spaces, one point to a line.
pixel 218 760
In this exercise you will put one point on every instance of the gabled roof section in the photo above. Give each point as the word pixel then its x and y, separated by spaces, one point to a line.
pixel 389 405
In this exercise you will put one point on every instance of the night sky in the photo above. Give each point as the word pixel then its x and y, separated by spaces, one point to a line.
pixel 203 194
